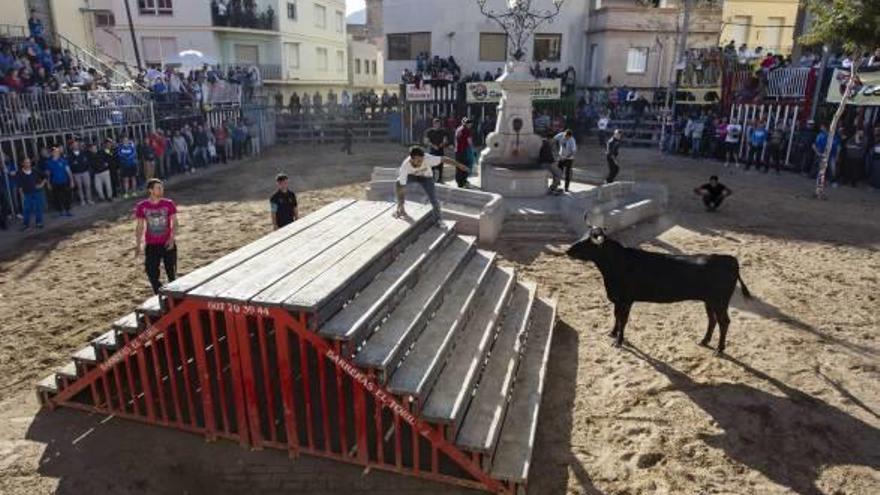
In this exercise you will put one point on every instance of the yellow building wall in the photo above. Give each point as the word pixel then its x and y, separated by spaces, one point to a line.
pixel 69 20
pixel 754 21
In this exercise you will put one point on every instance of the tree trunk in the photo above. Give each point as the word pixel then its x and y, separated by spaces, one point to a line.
pixel 832 130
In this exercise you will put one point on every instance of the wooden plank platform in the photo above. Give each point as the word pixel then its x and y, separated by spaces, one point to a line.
pixel 514 452
pixel 415 375
pixel 127 324
pixel 372 303
pixel 346 257
pixel 449 398
pixel 151 307
pixel 208 272
pixel 383 350
pixel 482 423
pixel 106 340
pixel 249 278
pixel 347 268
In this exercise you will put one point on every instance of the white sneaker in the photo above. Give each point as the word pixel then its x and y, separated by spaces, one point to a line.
pixel 90 202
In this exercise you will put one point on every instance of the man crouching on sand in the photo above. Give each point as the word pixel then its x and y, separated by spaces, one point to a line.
pixel 417 167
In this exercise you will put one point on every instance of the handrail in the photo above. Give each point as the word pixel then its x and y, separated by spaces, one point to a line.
pixel 28 113
pixel 95 62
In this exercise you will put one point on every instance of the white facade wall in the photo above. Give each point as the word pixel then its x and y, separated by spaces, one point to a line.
pixel 455 27
pixel 361 54
pixel 190 27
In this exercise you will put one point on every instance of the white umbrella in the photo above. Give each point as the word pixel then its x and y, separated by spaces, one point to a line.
pixel 191 58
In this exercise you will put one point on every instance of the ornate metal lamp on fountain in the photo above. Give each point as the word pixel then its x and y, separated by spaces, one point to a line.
pixel 509 164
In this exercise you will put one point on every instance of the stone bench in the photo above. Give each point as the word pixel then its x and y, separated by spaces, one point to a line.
pixel 475 212
pixel 614 206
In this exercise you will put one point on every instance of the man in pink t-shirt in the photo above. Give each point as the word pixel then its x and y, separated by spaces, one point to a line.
pixel 156 225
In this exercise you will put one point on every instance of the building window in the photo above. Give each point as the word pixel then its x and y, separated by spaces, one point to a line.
pixel 366 66
pixel 340 61
pixel 320 16
pixel 357 66
pixel 104 19
pixel 407 46
pixel 548 47
pixel 340 22
pixel 156 50
pixel 247 54
pixel 321 54
pixel 291 11
pixel 493 47
pixel 155 7
pixel 637 61
pixel 373 63
pixel 292 55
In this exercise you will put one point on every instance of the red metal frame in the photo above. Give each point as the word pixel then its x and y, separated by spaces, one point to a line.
pixel 282 387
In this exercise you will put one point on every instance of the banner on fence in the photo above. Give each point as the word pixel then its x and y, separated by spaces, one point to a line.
pixel 490 92
pixel 423 93
pixel 865 93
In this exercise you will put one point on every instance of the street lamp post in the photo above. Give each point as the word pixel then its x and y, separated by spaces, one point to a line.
pixel 519 21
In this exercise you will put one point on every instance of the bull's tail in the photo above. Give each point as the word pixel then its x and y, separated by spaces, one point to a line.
pixel 742 285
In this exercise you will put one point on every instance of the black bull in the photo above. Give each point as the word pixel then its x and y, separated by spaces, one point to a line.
pixel 632 275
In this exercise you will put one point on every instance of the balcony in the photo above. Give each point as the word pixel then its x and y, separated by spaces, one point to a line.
pixel 267 71
pixel 243 15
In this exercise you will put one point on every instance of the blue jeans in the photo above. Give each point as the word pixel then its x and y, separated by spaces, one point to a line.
pixel 427 184
pixel 695 146
pixel 33 203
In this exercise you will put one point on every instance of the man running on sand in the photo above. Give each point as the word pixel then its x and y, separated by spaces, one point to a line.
pixel 418 167
pixel 156 226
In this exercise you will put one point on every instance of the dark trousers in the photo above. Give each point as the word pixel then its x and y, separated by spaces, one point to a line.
pixel 438 170
pixel 754 154
pixel 565 165
pixel 61 197
pixel 346 146
pixel 775 155
pixel 153 255
pixel 461 176
pixel 221 153
pixel 613 168
pixel 712 202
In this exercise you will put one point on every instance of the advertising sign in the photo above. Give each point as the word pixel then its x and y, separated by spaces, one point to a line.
pixel 490 91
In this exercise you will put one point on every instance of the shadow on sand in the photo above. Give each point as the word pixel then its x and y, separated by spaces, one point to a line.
pixel 788 438
pixel 554 460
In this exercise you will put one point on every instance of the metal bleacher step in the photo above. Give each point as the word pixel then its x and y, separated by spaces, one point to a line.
pixel 106 340
pixel 48 384
pixel 67 371
pixel 87 355
pixel 152 307
pixel 422 364
pixel 482 422
pixel 376 300
pixel 385 348
pixel 449 398
pixel 129 323
pixel 514 451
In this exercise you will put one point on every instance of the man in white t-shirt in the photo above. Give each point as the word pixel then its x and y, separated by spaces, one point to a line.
pixel 418 167
pixel 731 144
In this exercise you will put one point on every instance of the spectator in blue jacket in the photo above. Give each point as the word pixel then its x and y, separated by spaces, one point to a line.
pixel 60 181
pixel 127 156
pixel 757 138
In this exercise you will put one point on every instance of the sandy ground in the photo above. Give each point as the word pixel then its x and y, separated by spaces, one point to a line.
pixel 794 408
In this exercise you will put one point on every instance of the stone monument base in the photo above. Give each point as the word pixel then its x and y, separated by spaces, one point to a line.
pixel 514 182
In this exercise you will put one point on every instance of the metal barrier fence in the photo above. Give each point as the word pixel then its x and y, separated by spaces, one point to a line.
pixel 790 82
pixel 23 114
pixel 774 116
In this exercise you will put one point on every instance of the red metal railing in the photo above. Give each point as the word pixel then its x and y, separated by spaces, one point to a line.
pixel 261 376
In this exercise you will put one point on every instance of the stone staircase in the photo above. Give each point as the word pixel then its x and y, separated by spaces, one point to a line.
pixel 457 340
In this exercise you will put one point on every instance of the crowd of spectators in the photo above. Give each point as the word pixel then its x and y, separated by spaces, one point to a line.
pixel 438 70
pixel 855 154
pixel 242 14
pixel 198 85
pixel 361 104
pixel 106 170
pixel 33 65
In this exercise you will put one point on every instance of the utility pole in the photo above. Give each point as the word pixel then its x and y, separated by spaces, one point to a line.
pixel 800 22
pixel 137 53
pixel 680 52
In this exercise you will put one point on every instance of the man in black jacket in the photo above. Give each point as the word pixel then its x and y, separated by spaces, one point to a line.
pixel 102 163
pixel 79 166
pixel 611 150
